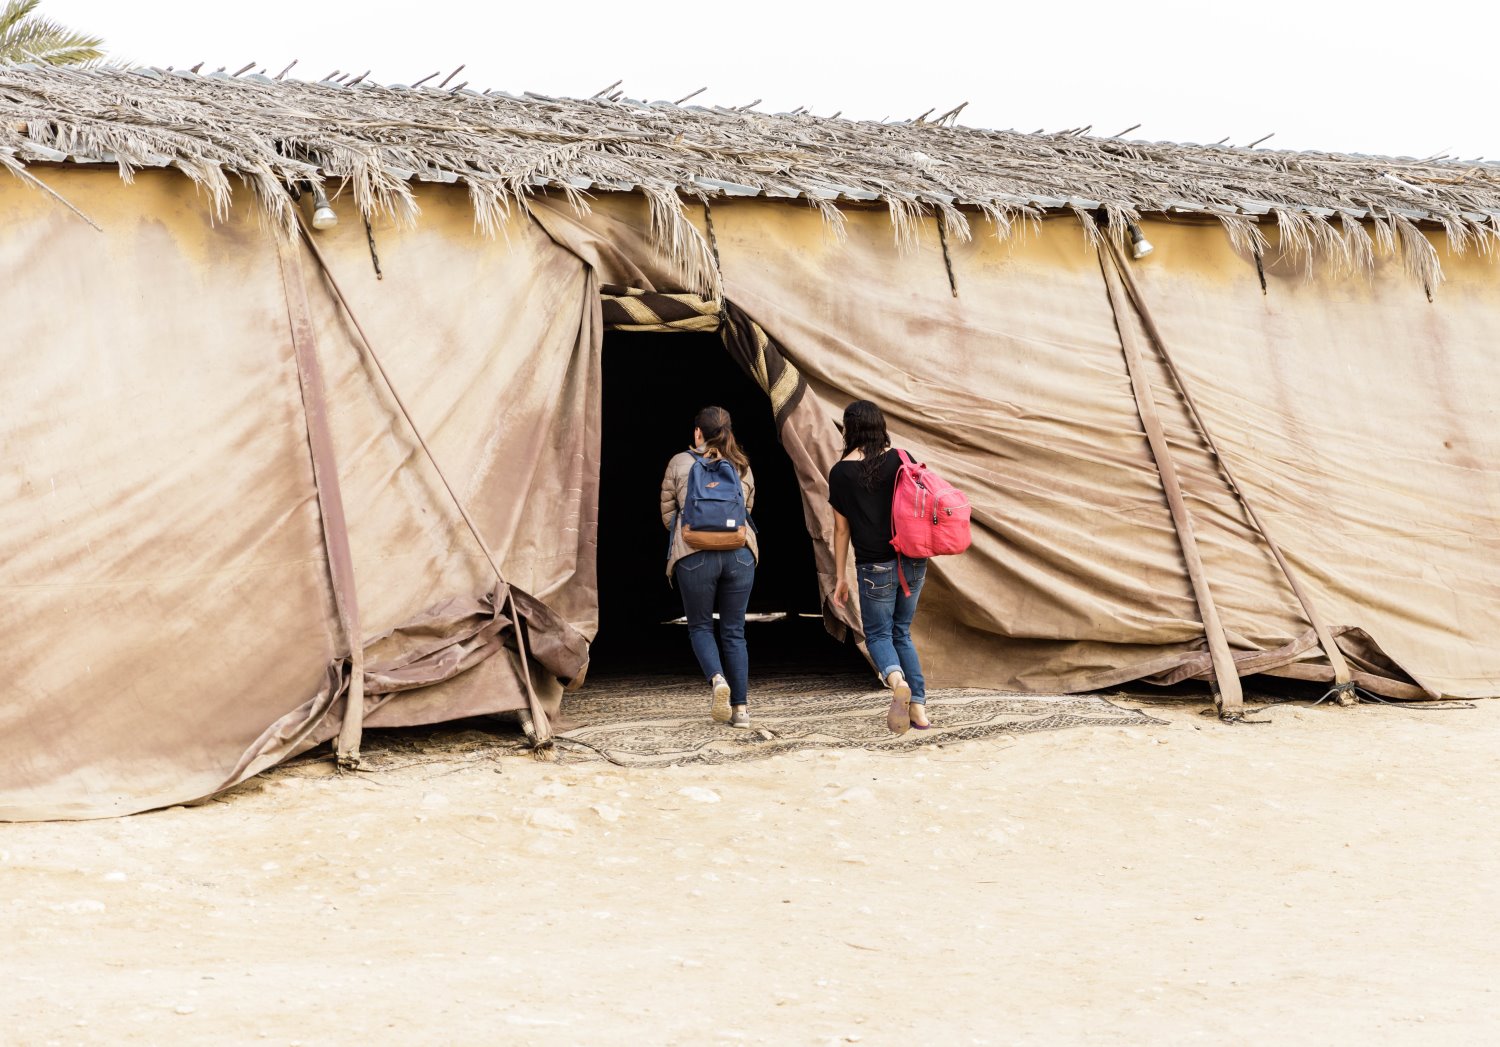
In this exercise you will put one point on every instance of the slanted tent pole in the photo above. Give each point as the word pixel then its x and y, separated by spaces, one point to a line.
pixel 1342 677
pixel 19 170
pixel 330 497
pixel 1230 697
pixel 541 728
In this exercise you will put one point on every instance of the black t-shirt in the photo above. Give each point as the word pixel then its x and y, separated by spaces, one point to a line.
pixel 867 510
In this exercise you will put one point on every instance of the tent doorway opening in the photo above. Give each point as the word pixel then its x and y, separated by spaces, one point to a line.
pixel 653 386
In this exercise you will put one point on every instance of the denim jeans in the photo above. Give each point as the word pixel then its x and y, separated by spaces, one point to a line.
pixel 887 614
pixel 718 580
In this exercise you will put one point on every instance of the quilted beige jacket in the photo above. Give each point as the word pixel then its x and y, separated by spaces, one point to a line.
pixel 674 493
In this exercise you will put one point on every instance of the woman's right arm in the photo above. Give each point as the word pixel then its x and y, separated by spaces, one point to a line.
pixel 668 498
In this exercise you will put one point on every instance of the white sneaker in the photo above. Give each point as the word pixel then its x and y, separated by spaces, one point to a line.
pixel 741 717
pixel 719 710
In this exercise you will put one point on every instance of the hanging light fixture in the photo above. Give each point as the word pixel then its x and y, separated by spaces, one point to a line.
pixel 324 216
pixel 1140 247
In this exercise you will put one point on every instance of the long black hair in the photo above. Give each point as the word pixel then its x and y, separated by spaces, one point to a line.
pixel 718 436
pixel 864 431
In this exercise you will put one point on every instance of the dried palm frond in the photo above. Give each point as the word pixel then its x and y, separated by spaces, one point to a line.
pixel 1357 239
pixel 1092 234
pixel 1244 234
pixel 1417 253
pixel 906 220
pixel 376 141
pixel 687 248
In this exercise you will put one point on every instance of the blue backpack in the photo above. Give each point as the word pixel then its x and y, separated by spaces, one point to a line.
pixel 713 509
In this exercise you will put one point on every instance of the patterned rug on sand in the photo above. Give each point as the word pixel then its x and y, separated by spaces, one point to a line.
pixel 656 722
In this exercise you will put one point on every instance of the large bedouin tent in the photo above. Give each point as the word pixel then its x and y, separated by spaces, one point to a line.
pixel 265 484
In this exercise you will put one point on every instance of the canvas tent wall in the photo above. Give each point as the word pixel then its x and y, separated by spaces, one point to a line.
pixel 172 621
pixel 1017 389
pixel 169 548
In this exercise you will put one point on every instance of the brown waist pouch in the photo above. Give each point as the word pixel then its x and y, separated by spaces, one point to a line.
pixel 735 539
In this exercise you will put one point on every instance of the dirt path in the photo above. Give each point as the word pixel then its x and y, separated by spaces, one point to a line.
pixel 1329 878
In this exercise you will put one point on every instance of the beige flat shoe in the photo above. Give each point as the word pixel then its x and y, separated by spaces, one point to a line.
pixel 898 716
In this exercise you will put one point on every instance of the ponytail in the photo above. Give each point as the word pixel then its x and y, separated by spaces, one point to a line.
pixel 718 437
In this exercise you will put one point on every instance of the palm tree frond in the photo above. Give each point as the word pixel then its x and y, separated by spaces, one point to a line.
pixel 14 12
pixel 26 38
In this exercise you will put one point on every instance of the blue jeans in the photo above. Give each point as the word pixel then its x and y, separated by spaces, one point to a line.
pixel 719 580
pixel 887 614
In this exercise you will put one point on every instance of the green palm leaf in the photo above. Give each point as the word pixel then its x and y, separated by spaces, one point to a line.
pixel 25 37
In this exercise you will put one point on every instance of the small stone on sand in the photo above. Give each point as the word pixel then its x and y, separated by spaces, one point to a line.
pixel 551 821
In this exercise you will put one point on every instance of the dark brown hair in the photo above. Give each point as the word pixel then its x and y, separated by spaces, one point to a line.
pixel 718 436
pixel 864 431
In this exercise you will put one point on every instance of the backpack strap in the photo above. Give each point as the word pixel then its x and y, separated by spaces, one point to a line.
pixel 906 459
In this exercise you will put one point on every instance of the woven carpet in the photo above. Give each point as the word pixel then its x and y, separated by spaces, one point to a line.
pixel 664 722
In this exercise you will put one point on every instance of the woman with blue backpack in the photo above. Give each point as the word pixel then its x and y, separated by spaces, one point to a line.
pixel 897 513
pixel 706 498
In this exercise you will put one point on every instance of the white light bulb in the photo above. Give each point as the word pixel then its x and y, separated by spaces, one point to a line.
pixel 1140 247
pixel 324 216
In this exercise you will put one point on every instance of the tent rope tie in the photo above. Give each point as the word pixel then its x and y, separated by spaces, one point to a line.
pixel 1343 694
pixel 713 240
pixel 1346 694
pixel 1341 672
pixel 374 258
pixel 604 754
pixel 1243 717
pixel 942 224
pixel 1361 696
pixel 1352 694
pixel 538 729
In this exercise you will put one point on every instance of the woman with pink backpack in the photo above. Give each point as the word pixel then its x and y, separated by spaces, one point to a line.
pixel 706 498
pixel 891 546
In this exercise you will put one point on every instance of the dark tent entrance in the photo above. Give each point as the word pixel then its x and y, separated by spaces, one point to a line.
pixel 654 383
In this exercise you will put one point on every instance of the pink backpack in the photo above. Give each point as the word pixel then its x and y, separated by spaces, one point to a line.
pixel 929 516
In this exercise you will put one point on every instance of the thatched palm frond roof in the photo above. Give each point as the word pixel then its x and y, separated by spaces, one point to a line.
pixel 216 128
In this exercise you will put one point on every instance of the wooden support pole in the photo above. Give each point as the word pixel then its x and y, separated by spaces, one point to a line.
pixel 1342 676
pixel 1229 697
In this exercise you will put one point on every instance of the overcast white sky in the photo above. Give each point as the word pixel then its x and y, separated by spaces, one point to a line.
pixel 1409 79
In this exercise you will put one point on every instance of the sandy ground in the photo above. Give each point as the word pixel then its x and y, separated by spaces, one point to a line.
pixel 1330 878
